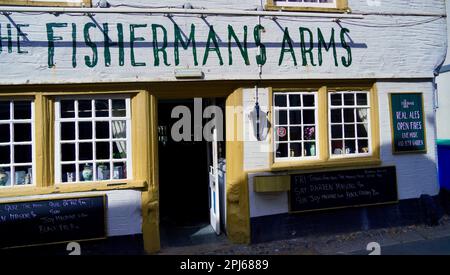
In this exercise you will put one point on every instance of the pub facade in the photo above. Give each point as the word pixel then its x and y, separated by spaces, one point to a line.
pixel 262 119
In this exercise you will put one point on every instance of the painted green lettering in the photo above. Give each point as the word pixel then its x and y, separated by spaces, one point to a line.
pixel 242 49
pixel 261 58
pixel 303 46
pixel 90 61
pixel 287 39
pixel 179 40
pixel 106 45
pixel 51 38
pixel 346 61
pixel 133 39
pixel 212 37
pixel 156 48
pixel 74 45
pixel 121 46
pixel 322 43
pixel 20 34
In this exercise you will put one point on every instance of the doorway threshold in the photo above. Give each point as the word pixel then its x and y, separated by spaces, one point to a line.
pixel 189 235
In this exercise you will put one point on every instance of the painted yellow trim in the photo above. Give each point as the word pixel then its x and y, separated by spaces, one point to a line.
pixel 238 206
pixel 20 191
pixel 341 6
pixel 44 141
pixel 145 161
pixel 324 159
pixel 85 3
pixel 272 184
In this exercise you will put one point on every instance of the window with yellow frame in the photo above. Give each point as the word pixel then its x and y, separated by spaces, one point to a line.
pixel 52 3
pixel 308 5
pixel 324 126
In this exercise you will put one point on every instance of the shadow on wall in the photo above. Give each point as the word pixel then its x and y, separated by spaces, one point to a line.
pixel 424 209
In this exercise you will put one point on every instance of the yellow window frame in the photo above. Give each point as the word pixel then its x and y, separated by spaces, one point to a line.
pixel 341 6
pixel 324 159
pixel 44 103
pixel 61 3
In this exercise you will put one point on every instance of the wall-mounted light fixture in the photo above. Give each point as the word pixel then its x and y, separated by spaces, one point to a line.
pixel 189 73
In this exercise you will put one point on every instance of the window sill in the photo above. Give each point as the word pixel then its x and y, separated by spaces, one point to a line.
pixel 85 3
pixel 306 9
pixel 324 164
pixel 71 188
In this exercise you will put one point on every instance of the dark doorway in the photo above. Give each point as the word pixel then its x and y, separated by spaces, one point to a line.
pixel 183 181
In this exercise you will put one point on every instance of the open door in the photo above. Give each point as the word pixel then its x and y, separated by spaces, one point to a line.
pixel 214 189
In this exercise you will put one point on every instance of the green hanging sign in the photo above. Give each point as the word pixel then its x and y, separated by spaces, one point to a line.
pixel 408 123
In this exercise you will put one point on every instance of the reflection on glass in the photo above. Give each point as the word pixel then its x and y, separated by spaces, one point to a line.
pixel 67 109
pixel 349 99
pixel 101 108
pixel 336 99
pixel 118 108
pixel 84 108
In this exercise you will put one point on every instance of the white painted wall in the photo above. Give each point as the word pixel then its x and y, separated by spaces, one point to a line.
pixel 416 173
pixel 384 46
pixel 443 91
pixel 123 209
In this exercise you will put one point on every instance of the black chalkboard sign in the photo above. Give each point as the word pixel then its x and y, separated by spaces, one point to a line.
pixel 339 189
pixel 52 221
pixel 408 123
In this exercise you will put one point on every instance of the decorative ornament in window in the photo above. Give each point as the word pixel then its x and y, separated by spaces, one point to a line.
pixel 16 143
pixel 295 125
pixel 93 139
pixel 349 116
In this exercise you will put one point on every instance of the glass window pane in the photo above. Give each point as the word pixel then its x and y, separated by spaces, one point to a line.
pixel 281 134
pixel 361 99
pixel 350 147
pixel 5 110
pixel 84 108
pixel 119 129
pixel 295 117
pixel 280 100
pixel 120 170
pixel 361 115
pixel 23 175
pixel 85 151
pixel 309 133
pixel 68 173
pixel 349 99
pixel 309 117
pixel 118 108
pixel 119 150
pixel 68 152
pixel 308 101
pixel 336 131
pixel 22 132
pixel 86 172
pixel 295 150
pixel 295 133
pixel 294 100
pixel 4 133
pixel 362 130
pixel 68 131
pixel 281 117
pixel 336 99
pixel 5 154
pixel 349 131
pixel 310 149
pixel 103 171
pixel 67 109
pixel 102 150
pixel 85 130
pixel 22 154
pixel 102 129
pixel 363 146
pixel 349 115
pixel 336 147
pixel 22 110
pixel 336 116
pixel 282 150
pixel 101 108
pixel 5 176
